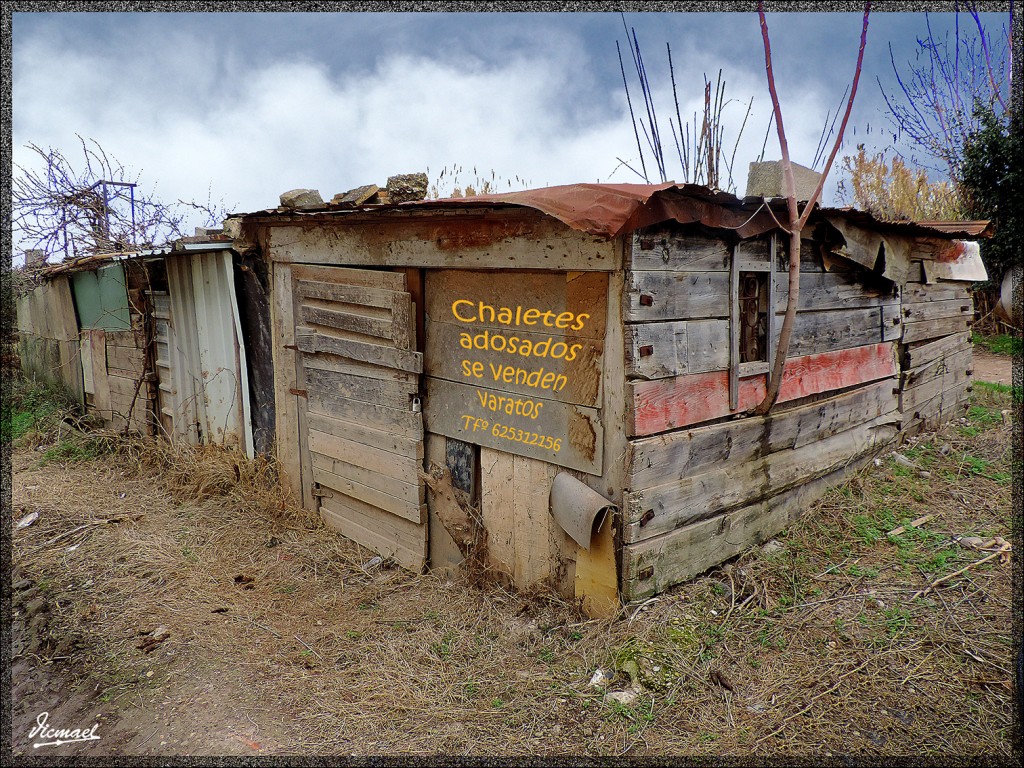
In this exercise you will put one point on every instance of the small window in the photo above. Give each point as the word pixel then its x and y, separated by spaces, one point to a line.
pixel 101 299
pixel 753 317
pixel 751 312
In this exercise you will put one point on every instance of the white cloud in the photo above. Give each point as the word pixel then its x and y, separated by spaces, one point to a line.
pixel 187 113
pixel 190 118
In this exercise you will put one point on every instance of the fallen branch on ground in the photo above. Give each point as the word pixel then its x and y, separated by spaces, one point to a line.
pixel 1001 551
pixel 80 528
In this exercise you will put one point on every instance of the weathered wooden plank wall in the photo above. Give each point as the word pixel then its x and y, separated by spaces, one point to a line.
pixel 678 328
pixel 130 361
pixel 356 375
pixel 700 489
pixel 935 353
pixel 48 336
pixel 117 366
pixel 485 239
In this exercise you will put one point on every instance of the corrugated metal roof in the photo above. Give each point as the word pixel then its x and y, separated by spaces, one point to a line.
pixel 961 228
pixel 610 210
pixel 185 244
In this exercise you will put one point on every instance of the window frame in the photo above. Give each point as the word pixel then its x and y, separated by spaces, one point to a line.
pixel 741 263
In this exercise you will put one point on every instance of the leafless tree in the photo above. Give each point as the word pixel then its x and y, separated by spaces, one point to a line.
pixel 954 79
pixel 798 219
pixel 95 207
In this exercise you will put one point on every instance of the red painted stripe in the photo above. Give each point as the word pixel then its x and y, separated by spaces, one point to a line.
pixel 683 400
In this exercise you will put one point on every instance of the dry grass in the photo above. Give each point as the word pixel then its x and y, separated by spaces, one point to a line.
pixel 816 648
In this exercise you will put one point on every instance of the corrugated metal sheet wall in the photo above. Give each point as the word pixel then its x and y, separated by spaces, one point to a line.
pixel 207 358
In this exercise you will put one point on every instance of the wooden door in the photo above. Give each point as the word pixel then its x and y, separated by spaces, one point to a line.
pixel 360 426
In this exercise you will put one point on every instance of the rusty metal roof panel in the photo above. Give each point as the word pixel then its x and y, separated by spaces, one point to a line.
pixel 610 210
pixel 961 229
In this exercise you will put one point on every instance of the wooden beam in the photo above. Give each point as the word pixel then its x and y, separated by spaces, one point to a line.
pixel 665 248
pixel 933 329
pixel 286 411
pixel 497 492
pixel 691 295
pixel 655 564
pixel 491 240
pixel 386 440
pixel 933 310
pixel 376 354
pixel 734 330
pixel 659 406
pixel 653 511
pixel 923 352
pixel 675 455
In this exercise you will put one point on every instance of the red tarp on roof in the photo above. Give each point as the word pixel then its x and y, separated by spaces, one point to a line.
pixel 610 210
pixel 613 209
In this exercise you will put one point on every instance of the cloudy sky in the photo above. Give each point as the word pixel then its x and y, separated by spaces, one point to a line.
pixel 245 106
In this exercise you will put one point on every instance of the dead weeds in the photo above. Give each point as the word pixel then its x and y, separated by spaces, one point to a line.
pixel 813 644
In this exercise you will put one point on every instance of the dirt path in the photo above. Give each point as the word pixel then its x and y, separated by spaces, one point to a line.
pixel 225 625
pixel 171 701
pixel 996 369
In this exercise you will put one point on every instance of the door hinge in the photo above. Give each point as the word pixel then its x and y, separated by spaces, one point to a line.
pixel 299 392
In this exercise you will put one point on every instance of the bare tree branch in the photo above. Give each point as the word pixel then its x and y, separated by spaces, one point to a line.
pixel 797 221
pixel 96 206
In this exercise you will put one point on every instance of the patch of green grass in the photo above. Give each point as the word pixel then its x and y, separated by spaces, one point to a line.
pixel 994 386
pixel 896 620
pixel 638 716
pixel 940 560
pixel 984 417
pixel 713 633
pixel 975 465
pixel 865 529
pixel 766 639
pixel 1000 343
pixel 75 448
pixel 35 406
pixel 20 424
pixel 443 648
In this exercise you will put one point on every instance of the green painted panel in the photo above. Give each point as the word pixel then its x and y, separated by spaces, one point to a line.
pixel 101 299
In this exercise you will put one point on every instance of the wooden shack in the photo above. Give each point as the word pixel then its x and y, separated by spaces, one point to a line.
pixel 554 387
pixel 152 341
